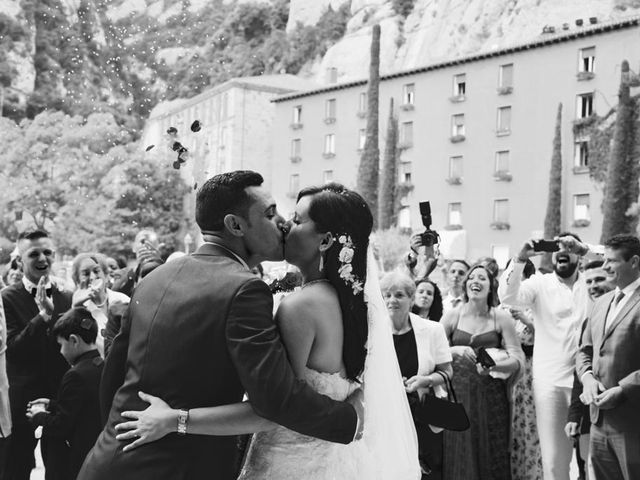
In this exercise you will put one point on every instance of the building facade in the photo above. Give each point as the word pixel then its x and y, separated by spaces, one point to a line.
pixel 475 134
pixel 236 120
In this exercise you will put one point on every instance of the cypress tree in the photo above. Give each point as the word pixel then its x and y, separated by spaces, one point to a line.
pixel 553 217
pixel 388 211
pixel 622 172
pixel 368 170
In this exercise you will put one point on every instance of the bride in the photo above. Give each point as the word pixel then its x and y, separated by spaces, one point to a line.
pixel 338 337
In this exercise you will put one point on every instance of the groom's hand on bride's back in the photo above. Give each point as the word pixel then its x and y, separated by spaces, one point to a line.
pixel 357 400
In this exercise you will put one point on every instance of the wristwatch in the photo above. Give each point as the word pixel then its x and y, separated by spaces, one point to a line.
pixel 183 418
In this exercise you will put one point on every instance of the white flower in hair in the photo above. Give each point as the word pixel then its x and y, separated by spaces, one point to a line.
pixel 346 255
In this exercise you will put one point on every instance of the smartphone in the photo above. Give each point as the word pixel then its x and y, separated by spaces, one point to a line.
pixel 546 245
pixel 484 359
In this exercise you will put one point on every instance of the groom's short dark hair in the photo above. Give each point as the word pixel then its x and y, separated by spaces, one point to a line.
pixel 224 194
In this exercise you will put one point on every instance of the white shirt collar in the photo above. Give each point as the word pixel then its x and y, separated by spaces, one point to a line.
pixel 29 285
pixel 629 289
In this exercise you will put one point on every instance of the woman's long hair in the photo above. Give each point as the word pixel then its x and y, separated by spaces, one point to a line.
pixel 436 308
pixel 336 209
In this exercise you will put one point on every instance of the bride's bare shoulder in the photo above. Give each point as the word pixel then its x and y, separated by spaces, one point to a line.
pixel 308 303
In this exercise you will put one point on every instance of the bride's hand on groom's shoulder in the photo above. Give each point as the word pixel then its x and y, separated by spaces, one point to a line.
pixel 149 425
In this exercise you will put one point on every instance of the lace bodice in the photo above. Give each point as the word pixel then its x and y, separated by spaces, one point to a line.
pixel 282 454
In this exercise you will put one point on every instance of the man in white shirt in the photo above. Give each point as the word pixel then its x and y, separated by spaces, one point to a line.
pixel 456 272
pixel 558 302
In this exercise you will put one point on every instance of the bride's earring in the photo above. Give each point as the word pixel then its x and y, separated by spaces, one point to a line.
pixel 321 265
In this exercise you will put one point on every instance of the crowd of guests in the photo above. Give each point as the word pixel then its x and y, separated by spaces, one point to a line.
pixel 548 336
pixel 546 332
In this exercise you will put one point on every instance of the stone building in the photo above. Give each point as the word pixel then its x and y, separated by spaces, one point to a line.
pixel 475 135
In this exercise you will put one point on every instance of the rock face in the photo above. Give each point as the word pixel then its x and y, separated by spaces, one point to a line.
pixel 442 29
pixel 308 12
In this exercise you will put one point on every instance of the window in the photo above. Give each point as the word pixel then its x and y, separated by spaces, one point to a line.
pixel 455 214
pixel 457 125
pixel 501 254
pixel 505 78
pixel 504 120
pixel 330 144
pixel 332 75
pixel 581 153
pixel 294 183
pixel 330 109
pixel 224 106
pixel 362 102
pixel 362 138
pixel 223 137
pixel 460 85
pixel 296 148
pixel 587 58
pixel 502 161
pixel 297 115
pixel 327 176
pixel 408 94
pixel 501 211
pixel 581 207
pixel 406 134
pixel 584 105
pixel 405 172
pixel 455 167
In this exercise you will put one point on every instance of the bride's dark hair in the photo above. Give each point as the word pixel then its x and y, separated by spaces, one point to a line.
pixel 336 209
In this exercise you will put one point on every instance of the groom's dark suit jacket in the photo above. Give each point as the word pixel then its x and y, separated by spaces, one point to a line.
pixel 200 333
pixel 613 356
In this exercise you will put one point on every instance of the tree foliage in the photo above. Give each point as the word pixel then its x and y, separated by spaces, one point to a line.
pixel 621 195
pixel 388 188
pixel 86 182
pixel 368 170
pixel 553 216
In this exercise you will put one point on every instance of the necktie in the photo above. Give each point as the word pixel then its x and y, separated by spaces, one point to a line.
pixel 618 298
pixel 34 290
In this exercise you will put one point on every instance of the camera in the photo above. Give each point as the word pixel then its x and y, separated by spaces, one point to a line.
pixel 429 237
pixel 546 245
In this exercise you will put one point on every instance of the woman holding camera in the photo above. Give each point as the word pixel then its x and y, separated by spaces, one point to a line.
pixel 478 332
pixel 422 349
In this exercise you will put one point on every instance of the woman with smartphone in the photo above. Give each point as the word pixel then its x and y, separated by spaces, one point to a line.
pixel 485 351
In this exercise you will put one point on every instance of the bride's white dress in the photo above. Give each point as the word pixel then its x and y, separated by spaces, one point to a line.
pixel 388 449
pixel 282 454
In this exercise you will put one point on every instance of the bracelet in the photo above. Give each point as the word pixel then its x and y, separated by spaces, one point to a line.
pixel 183 418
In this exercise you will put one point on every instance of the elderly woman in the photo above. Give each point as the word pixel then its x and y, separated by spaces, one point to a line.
pixel 90 272
pixel 422 349
pixel 427 302
pixel 482 452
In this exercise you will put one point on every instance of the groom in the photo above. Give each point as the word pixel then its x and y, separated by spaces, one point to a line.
pixel 199 332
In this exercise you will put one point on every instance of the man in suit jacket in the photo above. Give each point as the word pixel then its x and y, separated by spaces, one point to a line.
pixel 608 365
pixel 199 332
pixel 34 364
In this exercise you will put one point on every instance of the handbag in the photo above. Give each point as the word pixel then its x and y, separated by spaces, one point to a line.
pixel 445 413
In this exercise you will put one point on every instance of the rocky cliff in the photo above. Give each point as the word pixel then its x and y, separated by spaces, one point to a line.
pixel 438 29
pixel 126 55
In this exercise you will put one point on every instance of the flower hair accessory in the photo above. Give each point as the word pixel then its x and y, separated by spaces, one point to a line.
pixel 346 269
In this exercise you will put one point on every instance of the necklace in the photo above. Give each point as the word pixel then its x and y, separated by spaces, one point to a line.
pixel 317 280
pixel 106 302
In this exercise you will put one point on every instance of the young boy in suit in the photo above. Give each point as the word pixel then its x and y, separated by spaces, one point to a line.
pixel 75 414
